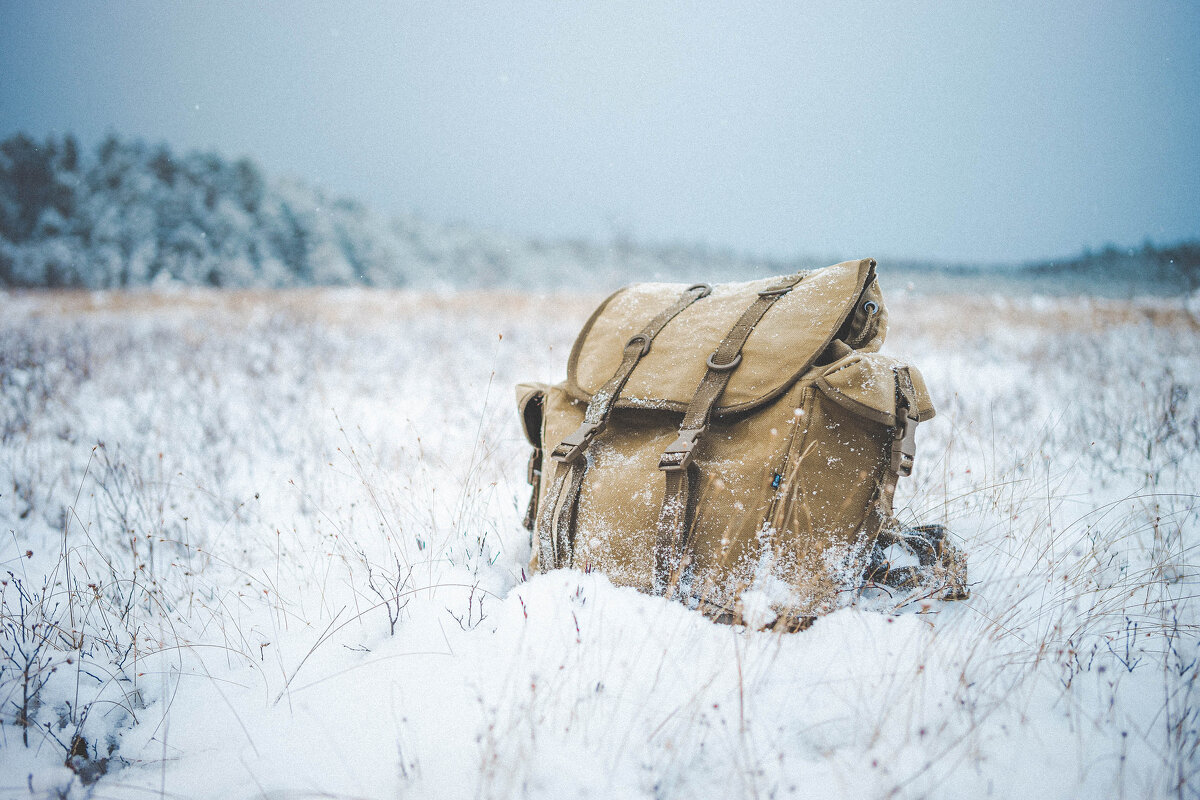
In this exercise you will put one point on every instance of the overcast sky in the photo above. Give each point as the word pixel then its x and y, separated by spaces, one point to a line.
pixel 983 131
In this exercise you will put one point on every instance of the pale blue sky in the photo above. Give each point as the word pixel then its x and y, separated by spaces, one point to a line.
pixel 958 131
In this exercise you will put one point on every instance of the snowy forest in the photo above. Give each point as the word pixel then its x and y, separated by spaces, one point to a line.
pixel 132 214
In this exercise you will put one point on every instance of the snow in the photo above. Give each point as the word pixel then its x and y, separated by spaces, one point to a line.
pixel 302 537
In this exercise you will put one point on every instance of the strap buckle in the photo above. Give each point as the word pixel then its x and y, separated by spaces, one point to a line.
pixel 737 359
pixel 904 445
pixel 677 457
pixel 571 448
pixel 642 341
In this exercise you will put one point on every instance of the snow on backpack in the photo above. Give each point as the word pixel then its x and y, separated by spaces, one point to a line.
pixel 736 447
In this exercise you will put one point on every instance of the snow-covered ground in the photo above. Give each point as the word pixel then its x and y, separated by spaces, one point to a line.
pixel 269 545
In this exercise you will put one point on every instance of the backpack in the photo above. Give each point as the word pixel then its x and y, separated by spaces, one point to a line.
pixel 736 447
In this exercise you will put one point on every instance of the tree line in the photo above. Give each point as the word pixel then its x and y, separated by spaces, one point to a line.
pixel 127 214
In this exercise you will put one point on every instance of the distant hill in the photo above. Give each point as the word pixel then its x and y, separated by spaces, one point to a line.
pixel 131 214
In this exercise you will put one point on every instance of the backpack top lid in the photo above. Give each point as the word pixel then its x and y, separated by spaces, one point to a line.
pixel 783 345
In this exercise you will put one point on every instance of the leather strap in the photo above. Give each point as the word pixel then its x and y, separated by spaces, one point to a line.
pixel 671 548
pixel 556 526
pixel 903 449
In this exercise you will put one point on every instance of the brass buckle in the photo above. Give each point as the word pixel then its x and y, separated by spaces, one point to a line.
pixel 571 448
pixel 679 454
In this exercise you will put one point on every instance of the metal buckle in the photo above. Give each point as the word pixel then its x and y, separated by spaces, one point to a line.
pixel 572 447
pixel 535 466
pixel 679 454
pixel 644 339
pixel 724 367
pixel 904 446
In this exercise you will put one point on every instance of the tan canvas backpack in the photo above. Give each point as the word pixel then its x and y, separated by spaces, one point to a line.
pixel 736 447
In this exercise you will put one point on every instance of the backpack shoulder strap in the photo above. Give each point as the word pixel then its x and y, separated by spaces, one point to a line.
pixel 531 399
pixel 556 526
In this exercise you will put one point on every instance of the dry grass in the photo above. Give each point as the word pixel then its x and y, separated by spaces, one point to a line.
pixel 299 492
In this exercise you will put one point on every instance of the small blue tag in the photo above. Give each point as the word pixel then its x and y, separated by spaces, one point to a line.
pixel 778 479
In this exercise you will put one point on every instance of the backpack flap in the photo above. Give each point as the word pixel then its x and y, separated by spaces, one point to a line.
pixel 865 384
pixel 784 344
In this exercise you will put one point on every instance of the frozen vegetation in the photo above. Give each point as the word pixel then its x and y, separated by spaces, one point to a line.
pixel 268 544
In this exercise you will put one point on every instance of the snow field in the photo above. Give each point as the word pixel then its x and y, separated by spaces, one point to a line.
pixel 269 544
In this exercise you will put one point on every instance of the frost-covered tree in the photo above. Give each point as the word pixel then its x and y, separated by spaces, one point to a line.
pixel 130 214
